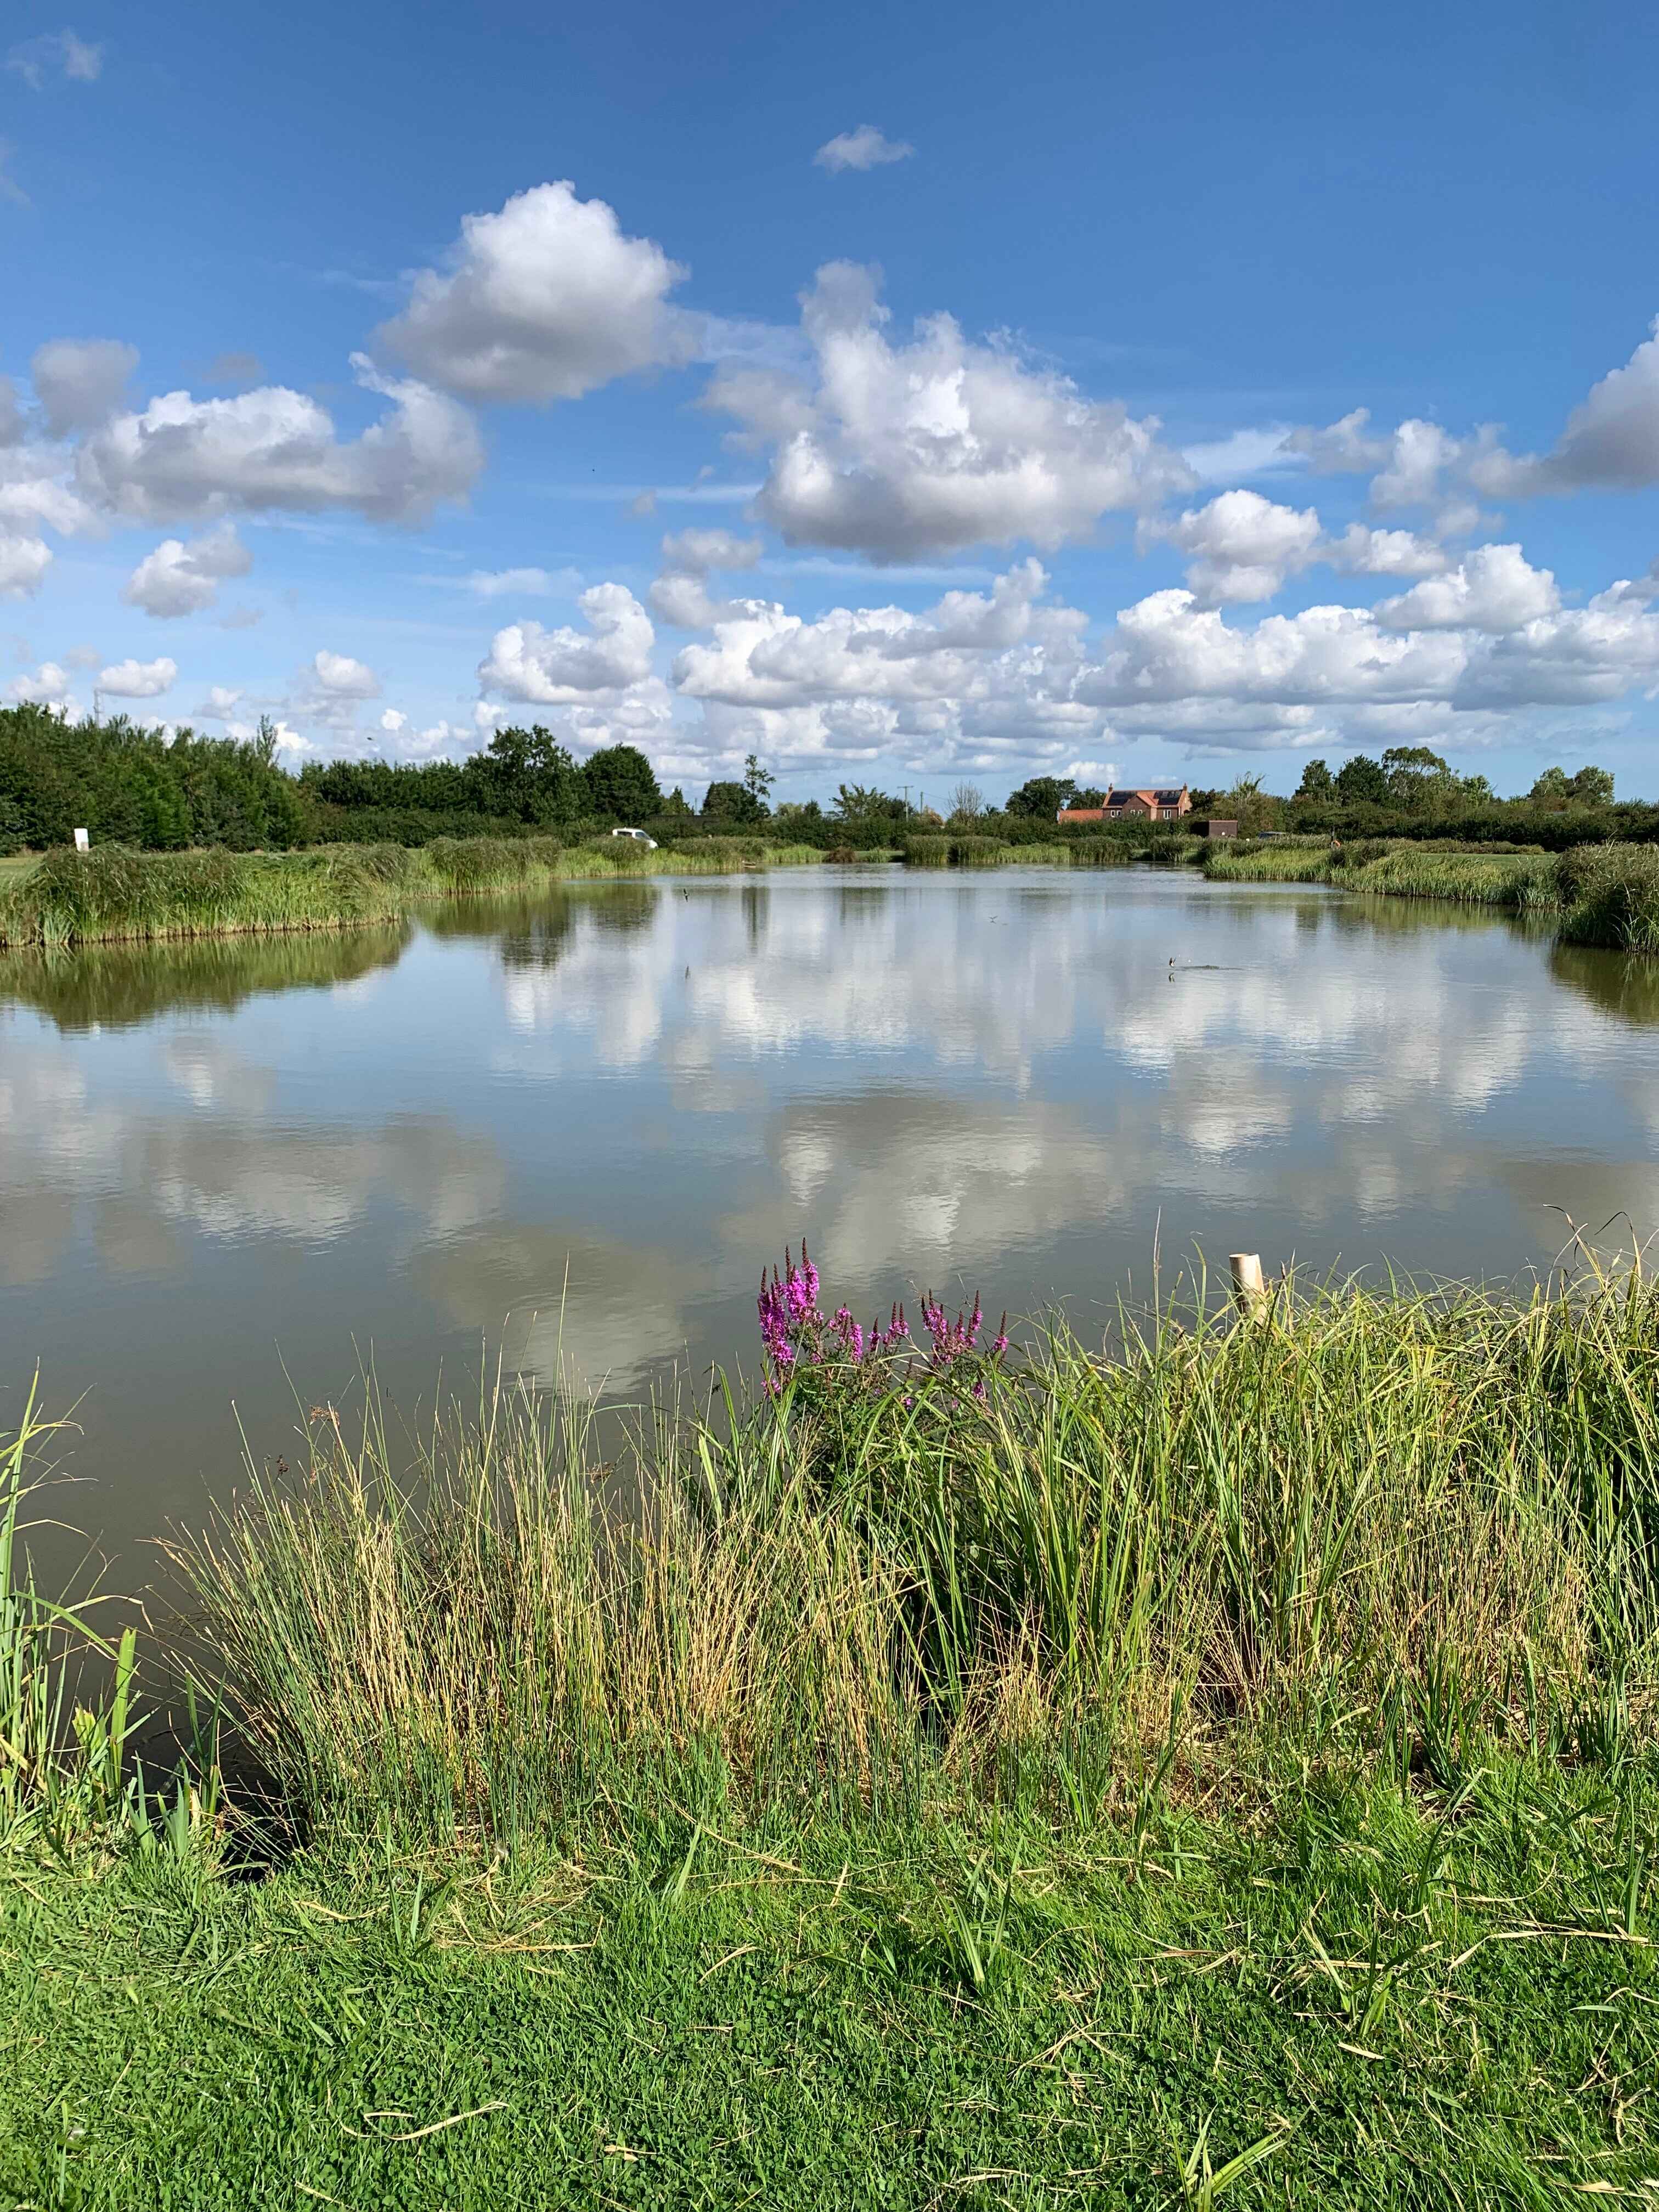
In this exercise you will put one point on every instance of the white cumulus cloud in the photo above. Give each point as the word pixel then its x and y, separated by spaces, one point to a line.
pixel 867 148
pixel 1494 588
pixel 183 458
pixel 898 451
pixel 343 677
pixel 80 382
pixel 138 679
pixel 1362 551
pixel 680 596
pixel 49 686
pixel 1611 441
pixel 976 680
pixel 565 666
pixel 546 299
pixel 1242 546
pixel 178 579
pixel 23 562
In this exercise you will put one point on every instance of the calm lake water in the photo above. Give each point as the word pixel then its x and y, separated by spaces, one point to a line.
pixel 226 1172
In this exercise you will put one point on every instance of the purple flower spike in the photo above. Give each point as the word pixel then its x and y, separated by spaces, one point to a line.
pixel 796 1337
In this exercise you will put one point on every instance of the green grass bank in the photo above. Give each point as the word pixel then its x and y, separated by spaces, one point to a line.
pixel 1598 895
pixel 114 894
pixel 1357 2003
pixel 1221 1761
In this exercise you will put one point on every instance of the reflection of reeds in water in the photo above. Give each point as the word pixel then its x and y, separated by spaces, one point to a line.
pixel 1373 1527
pixel 116 986
pixel 1628 988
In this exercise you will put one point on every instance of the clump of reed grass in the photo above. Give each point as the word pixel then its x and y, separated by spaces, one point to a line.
pixel 1606 894
pixel 1174 848
pixel 464 867
pixel 955 849
pixel 113 895
pixel 607 857
pixel 1312 1528
pixel 1611 896
pixel 1470 878
pixel 1098 851
pixel 1225 862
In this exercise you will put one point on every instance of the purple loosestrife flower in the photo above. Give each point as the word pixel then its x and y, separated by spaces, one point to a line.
pixel 796 1336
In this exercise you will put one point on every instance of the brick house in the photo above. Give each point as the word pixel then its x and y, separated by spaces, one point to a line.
pixel 1133 807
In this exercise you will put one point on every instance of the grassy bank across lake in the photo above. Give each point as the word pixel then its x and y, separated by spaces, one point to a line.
pixel 113 895
pixel 1595 895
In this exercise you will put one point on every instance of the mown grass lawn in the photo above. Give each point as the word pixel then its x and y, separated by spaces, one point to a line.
pixel 1369 2002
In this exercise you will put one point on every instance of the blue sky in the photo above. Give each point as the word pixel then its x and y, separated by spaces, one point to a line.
pixel 398 374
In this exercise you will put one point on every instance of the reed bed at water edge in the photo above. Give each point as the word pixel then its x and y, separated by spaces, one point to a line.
pixel 1378 1530
pixel 1606 894
pixel 951 850
pixel 1225 863
pixel 113 895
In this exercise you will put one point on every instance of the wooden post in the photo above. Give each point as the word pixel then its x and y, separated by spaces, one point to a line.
pixel 1249 1291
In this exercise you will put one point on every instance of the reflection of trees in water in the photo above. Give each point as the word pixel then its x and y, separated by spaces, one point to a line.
pixel 860 902
pixel 1623 984
pixel 120 985
pixel 488 915
pixel 1379 916
pixel 539 935
pixel 623 909
pixel 535 931
pixel 755 898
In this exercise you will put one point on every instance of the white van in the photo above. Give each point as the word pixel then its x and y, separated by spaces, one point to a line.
pixel 639 837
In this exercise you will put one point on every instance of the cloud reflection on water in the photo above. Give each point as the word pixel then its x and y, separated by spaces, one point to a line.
pixel 990 1081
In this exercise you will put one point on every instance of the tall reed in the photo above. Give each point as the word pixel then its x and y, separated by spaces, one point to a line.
pixel 61 1761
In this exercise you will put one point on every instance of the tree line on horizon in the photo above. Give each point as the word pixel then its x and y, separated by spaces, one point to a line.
pixel 125 783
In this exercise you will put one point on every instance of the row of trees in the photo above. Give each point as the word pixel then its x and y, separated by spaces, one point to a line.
pixel 123 782
pixel 1414 781
pixel 522 775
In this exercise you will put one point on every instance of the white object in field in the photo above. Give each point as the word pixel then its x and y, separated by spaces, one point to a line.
pixel 1250 1291
pixel 83 842
pixel 639 837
